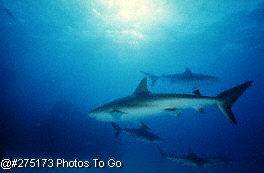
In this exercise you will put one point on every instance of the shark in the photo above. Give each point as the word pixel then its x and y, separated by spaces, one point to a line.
pixel 143 104
pixel 142 133
pixel 193 160
pixel 186 77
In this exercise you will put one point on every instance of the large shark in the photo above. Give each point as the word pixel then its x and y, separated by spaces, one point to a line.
pixel 142 104
pixel 187 77
pixel 141 134
pixel 192 159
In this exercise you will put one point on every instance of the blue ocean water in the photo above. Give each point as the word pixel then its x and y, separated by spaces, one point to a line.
pixel 60 59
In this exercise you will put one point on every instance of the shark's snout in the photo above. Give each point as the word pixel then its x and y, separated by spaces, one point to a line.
pixel 92 113
pixel 99 114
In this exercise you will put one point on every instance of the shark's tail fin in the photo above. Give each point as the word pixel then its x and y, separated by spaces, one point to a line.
pixel 117 129
pixel 229 97
pixel 152 77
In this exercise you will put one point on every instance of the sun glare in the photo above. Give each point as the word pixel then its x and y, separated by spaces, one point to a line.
pixel 133 10
pixel 129 18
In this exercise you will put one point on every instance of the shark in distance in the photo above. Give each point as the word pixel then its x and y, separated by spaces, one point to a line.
pixel 142 133
pixel 186 77
pixel 194 160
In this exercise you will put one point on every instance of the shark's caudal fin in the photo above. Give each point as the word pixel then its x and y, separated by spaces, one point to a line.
pixel 229 97
pixel 117 129
pixel 152 77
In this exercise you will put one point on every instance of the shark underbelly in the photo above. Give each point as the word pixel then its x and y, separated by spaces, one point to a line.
pixel 183 161
pixel 152 107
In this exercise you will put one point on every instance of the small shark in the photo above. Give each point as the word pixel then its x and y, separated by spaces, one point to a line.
pixel 192 159
pixel 187 77
pixel 142 104
pixel 141 134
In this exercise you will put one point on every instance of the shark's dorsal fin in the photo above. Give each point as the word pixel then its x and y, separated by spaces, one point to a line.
pixel 187 71
pixel 142 88
pixel 144 126
pixel 197 92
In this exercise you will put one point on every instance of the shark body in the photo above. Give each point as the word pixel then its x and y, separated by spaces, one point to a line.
pixel 186 77
pixel 142 104
pixel 142 133
pixel 192 159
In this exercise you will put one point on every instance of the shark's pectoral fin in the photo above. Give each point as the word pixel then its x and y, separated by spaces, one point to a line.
pixel 117 128
pixel 170 109
pixel 174 110
pixel 178 112
pixel 200 109
pixel 117 114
